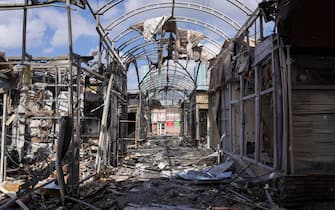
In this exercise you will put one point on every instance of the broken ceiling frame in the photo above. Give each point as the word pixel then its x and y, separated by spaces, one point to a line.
pixel 183 5
pixel 104 39
pixel 138 38
pixel 137 50
pixel 112 3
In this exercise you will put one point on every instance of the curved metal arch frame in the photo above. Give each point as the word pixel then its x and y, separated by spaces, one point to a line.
pixel 131 52
pixel 198 22
pixel 172 88
pixel 236 3
pixel 241 6
pixel 159 87
pixel 164 72
pixel 146 52
pixel 176 68
pixel 140 37
pixel 153 53
pixel 183 5
pixel 128 54
pixel 180 93
pixel 109 5
pixel 205 25
pixel 179 67
pixel 187 89
pixel 143 55
pixel 187 83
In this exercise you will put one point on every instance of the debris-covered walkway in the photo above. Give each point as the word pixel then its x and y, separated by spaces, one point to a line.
pixel 167 104
pixel 153 177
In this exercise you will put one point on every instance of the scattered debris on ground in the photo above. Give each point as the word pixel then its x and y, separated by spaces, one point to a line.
pixel 160 174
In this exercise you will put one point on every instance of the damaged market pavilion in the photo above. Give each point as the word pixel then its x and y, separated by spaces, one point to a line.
pixel 233 108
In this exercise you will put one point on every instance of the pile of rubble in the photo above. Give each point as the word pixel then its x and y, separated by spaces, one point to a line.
pixel 163 175
pixel 160 174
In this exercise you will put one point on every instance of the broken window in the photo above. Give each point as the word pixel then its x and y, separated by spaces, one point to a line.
pixel 266 75
pixel 249 83
pixel 249 128
pixel 266 130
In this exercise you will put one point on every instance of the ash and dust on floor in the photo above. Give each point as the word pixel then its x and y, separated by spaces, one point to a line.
pixel 167 173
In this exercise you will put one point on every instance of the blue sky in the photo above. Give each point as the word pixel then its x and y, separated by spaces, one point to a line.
pixel 47 29
pixel 46 32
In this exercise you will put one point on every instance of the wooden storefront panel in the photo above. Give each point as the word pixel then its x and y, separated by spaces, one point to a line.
pixel 313 130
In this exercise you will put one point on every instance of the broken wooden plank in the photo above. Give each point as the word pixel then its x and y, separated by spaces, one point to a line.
pixel 13 197
pixel 103 129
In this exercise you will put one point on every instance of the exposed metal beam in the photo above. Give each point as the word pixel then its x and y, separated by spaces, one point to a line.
pixel 241 6
pixel 176 67
pixel 135 48
pixel 112 3
pixel 183 5
pixel 132 51
pixel 24 32
pixel 194 21
pixel 109 5
pixel 140 37
pixel 156 78
pixel 105 39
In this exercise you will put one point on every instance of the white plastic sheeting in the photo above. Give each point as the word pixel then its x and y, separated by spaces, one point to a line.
pixel 153 26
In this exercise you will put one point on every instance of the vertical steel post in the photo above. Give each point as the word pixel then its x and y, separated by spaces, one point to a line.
pixel 242 117
pixel 73 176
pixel 258 105
pixel 278 105
pixel 3 138
pixel 76 141
pixel 24 32
pixel 290 111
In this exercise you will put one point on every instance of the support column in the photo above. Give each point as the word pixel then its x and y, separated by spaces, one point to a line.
pixel 114 131
pixel 257 112
pixel 185 120
pixel 77 139
pixel 242 122
pixel 3 138
pixel 74 172
pixel 103 129
pixel 278 105
pixel 197 124
pixel 138 121
pixel 24 32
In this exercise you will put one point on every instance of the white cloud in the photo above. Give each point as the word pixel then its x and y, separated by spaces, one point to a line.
pixel 46 28
pixel 48 50
pixel 10 35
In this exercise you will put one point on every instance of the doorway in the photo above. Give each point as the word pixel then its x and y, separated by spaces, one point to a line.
pixel 161 128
